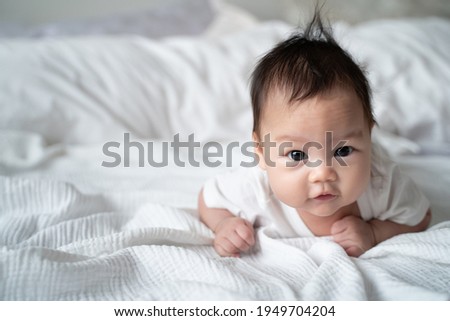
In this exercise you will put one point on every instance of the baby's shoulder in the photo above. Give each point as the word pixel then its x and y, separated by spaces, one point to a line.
pixel 382 164
pixel 247 188
pixel 253 184
pixel 253 178
pixel 387 179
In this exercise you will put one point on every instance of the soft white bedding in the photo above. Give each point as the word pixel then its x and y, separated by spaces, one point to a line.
pixel 166 19
pixel 71 229
pixel 87 247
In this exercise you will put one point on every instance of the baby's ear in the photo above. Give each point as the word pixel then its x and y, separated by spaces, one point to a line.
pixel 259 151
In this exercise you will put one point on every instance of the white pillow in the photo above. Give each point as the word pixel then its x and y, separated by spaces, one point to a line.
pixel 409 69
pixel 93 89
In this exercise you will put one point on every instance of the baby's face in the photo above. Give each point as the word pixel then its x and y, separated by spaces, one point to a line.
pixel 320 161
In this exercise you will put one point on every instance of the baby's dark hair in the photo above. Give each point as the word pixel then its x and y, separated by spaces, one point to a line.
pixel 305 65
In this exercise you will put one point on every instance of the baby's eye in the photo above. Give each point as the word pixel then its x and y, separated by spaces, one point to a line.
pixel 343 151
pixel 297 155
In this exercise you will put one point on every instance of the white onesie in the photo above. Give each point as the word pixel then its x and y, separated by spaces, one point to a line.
pixel 246 193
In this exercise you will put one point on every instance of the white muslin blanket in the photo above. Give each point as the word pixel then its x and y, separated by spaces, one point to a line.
pixel 71 229
pixel 59 243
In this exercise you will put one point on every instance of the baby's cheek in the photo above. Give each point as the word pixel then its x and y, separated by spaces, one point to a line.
pixel 356 182
pixel 293 197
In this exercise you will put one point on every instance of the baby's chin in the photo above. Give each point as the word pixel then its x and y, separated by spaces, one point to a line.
pixel 335 207
pixel 319 212
pixel 325 210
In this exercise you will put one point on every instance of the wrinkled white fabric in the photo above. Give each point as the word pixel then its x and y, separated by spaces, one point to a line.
pixel 72 229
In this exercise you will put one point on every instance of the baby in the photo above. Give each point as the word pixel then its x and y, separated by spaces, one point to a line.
pixel 319 172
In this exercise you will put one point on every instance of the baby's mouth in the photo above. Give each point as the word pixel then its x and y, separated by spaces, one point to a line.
pixel 325 197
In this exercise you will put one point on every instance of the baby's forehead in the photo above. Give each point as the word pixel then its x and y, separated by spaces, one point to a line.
pixel 284 100
pixel 337 105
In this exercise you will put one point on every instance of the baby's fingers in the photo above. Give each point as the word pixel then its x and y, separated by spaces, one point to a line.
pixel 351 246
pixel 353 250
pixel 230 245
pixel 235 237
pixel 225 248
pixel 246 233
pixel 344 224
pixel 238 242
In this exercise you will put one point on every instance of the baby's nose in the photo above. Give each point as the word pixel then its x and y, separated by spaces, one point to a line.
pixel 321 172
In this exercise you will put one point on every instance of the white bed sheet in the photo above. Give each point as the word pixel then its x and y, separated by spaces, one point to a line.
pixel 71 229
pixel 133 234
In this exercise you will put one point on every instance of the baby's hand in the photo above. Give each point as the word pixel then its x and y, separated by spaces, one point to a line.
pixel 353 234
pixel 233 235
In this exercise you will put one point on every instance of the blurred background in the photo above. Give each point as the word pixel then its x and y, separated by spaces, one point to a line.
pixel 19 13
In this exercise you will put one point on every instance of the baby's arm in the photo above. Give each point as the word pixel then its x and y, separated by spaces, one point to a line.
pixel 233 234
pixel 383 230
pixel 357 236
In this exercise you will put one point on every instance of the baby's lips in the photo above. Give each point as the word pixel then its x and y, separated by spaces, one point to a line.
pixel 325 197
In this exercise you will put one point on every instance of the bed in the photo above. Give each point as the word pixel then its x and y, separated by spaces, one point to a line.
pixel 84 216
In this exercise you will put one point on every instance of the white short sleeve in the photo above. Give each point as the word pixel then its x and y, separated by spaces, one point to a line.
pixel 246 193
pixel 392 195
pixel 243 192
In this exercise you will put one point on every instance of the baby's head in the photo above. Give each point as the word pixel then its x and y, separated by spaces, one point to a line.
pixel 304 66
pixel 311 102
